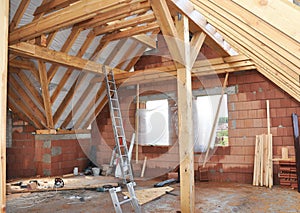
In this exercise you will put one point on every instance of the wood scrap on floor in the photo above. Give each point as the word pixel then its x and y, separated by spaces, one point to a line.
pixel 70 183
pixel 147 195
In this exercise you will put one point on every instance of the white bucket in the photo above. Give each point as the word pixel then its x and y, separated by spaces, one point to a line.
pixel 96 171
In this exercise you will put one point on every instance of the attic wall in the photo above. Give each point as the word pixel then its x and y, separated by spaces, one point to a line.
pixel 44 155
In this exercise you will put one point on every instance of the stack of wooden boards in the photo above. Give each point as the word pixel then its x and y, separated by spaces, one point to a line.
pixel 288 173
pixel 263 162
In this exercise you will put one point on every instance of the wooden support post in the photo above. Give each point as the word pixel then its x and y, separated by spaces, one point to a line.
pixel 4 20
pixel 137 123
pixel 185 130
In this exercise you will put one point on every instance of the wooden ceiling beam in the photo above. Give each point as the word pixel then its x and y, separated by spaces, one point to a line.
pixel 83 10
pixel 19 14
pixel 131 32
pixel 45 94
pixel 34 51
pixel 125 23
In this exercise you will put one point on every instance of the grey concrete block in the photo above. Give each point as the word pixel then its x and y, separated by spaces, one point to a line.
pixel 47 144
pixel 56 150
pixel 46 158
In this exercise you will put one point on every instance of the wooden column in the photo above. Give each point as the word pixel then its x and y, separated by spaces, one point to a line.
pixel 185 125
pixel 4 17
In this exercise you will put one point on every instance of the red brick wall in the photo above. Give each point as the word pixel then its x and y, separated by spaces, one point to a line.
pixel 29 156
pixel 247 118
pixel 21 156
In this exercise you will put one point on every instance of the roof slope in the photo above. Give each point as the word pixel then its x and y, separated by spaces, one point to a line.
pixel 58 47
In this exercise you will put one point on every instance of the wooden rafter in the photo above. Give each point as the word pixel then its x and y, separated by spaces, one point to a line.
pixel 69 71
pixel 166 23
pixel 19 14
pixel 68 98
pixel 73 14
pixel 28 85
pixel 123 24
pixel 45 94
pixel 26 65
pixel 109 59
pixel 22 96
pixel 65 48
pixel 34 51
pixel 255 44
pixel 110 16
pixel 89 107
pixel 79 102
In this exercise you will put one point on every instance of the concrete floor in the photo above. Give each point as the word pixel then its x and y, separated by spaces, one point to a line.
pixel 210 197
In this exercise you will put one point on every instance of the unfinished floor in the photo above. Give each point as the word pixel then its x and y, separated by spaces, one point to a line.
pixel 210 197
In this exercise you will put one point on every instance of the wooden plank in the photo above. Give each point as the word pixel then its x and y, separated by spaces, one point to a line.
pixel 215 123
pixel 185 133
pixel 73 14
pixel 146 195
pixel 137 120
pixel 296 145
pixel 280 14
pixel 144 167
pixel 255 166
pixel 4 19
pixel 45 94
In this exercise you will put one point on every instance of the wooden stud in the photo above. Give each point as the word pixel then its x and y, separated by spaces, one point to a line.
pixel 137 121
pixel 4 20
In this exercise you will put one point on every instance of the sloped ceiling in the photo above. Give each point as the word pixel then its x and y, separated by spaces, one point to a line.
pixel 58 47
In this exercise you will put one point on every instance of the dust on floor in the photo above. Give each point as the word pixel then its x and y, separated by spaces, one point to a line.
pixel 210 197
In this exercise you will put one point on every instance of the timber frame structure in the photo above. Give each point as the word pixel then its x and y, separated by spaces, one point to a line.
pixel 56 50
